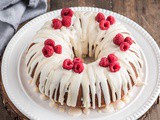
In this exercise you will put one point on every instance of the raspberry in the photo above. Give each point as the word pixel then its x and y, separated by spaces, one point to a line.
pixel 128 40
pixel 56 23
pixel 104 25
pixel 118 39
pixel 67 64
pixel 77 60
pixel 104 62
pixel 114 67
pixel 49 42
pixel 66 12
pixel 112 58
pixel 99 17
pixel 78 67
pixel 124 46
pixel 58 49
pixel 47 51
pixel 66 21
pixel 111 19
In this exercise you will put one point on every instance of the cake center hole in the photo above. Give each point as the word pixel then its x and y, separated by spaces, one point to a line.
pixel 88 59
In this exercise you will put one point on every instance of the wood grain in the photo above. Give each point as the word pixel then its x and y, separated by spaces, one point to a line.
pixel 145 12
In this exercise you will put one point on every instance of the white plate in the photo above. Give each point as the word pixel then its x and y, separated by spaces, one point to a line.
pixel 21 94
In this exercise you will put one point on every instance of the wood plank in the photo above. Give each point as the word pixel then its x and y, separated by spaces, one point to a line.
pixel 58 4
pixel 105 4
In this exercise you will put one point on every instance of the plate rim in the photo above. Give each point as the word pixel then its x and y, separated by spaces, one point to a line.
pixel 21 31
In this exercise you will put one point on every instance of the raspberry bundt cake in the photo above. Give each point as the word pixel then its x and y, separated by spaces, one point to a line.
pixel 56 60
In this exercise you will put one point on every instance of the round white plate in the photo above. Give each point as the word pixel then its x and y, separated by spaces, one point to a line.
pixel 28 102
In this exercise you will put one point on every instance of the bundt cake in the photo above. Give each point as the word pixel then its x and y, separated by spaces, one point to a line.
pixel 56 59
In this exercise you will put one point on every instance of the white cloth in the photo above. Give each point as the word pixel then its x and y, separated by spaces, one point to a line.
pixel 14 12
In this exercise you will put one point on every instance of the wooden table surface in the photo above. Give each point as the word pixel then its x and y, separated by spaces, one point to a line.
pixel 144 12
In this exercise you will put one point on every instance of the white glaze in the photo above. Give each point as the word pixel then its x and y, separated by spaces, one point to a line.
pixel 119 104
pixel 55 105
pixel 51 104
pixel 86 111
pixel 30 81
pixel 126 99
pixel 36 89
pixel 77 36
pixel 61 109
pixel 43 97
pixel 99 110
pixel 75 112
pixel 108 108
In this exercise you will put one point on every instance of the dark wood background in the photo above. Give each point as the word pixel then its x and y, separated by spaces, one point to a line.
pixel 144 12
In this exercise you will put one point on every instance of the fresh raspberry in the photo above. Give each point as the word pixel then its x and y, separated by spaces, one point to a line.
pixel 111 19
pixel 99 17
pixel 77 60
pixel 78 67
pixel 114 67
pixel 58 49
pixel 118 39
pixel 112 58
pixel 104 62
pixel 56 23
pixel 104 25
pixel 66 21
pixel 47 51
pixel 128 40
pixel 124 46
pixel 49 42
pixel 66 12
pixel 68 64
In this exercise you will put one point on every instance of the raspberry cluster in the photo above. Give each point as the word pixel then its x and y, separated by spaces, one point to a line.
pixel 66 15
pixel 124 43
pixel 76 65
pixel 50 47
pixel 110 61
pixel 104 24
pixel 56 23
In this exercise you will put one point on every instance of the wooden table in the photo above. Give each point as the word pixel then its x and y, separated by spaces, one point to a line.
pixel 144 12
